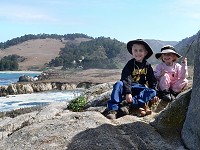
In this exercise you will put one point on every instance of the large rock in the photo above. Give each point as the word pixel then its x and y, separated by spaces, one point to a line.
pixel 58 128
pixel 170 120
pixel 191 127
pixel 55 127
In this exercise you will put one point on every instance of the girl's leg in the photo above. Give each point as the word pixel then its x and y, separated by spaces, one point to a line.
pixel 164 82
pixel 178 85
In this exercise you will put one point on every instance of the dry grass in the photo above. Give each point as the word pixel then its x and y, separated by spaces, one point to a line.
pixel 96 76
pixel 37 52
pixel 90 75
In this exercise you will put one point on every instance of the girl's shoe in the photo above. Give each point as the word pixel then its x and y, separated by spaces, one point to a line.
pixel 165 95
pixel 174 93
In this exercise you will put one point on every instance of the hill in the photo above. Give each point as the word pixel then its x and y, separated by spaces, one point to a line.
pixel 37 52
pixel 40 52
pixel 189 46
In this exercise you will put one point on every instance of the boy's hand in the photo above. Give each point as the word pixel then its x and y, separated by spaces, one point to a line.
pixel 129 98
pixel 155 100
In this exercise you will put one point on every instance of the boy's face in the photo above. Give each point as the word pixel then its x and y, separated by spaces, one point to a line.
pixel 139 52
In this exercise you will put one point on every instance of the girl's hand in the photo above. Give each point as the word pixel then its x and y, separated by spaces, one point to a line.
pixel 163 72
pixel 129 98
pixel 184 60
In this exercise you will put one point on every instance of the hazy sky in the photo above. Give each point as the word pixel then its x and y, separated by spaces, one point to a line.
pixel 124 20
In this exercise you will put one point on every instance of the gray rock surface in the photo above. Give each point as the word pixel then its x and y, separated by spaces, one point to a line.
pixel 55 127
pixel 170 120
pixel 83 130
pixel 191 127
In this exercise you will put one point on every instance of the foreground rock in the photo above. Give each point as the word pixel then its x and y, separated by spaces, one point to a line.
pixel 170 120
pixel 191 128
pixel 55 127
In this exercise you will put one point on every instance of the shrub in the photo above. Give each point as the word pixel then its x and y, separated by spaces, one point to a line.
pixel 77 104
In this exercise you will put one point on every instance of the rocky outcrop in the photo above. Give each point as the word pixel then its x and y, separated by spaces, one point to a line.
pixel 30 87
pixel 26 78
pixel 55 127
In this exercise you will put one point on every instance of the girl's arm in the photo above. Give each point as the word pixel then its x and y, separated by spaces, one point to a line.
pixel 158 72
pixel 183 69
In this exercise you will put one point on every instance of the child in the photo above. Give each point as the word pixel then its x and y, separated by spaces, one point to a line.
pixel 171 76
pixel 135 77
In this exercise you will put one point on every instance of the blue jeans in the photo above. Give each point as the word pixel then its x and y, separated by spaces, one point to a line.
pixel 141 95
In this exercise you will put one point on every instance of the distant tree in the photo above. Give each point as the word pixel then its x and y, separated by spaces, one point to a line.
pixel 96 53
pixel 27 37
pixel 9 62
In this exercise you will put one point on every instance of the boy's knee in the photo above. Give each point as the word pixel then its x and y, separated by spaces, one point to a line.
pixel 118 84
pixel 153 92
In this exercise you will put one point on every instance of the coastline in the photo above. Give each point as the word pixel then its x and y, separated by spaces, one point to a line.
pixel 21 72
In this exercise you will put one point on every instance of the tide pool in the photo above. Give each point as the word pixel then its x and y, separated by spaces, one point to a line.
pixel 12 102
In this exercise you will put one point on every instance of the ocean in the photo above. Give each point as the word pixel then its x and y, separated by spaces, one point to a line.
pixel 9 77
pixel 12 102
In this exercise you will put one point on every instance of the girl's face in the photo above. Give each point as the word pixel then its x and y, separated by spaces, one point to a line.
pixel 139 52
pixel 168 58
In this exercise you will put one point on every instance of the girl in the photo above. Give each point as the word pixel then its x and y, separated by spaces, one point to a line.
pixel 171 76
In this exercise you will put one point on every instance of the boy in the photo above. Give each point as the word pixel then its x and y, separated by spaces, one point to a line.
pixel 137 84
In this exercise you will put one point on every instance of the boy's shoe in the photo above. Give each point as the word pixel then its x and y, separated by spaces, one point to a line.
pixel 148 112
pixel 124 109
pixel 147 109
pixel 112 114
pixel 141 112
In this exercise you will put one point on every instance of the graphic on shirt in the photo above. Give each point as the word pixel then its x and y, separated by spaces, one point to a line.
pixel 136 74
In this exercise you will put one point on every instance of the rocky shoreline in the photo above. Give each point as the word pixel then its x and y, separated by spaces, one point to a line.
pixel 31 87
pixel 56 127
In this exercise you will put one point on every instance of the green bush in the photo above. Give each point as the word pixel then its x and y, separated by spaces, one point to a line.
pixel 77 104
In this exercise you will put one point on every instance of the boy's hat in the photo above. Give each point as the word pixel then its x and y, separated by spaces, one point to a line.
pixel 140 41
pixel 167 49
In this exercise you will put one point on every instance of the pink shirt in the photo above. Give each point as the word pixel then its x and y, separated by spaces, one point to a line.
pixel 175 72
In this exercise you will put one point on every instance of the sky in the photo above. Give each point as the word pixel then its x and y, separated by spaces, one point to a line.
pixel 124 20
